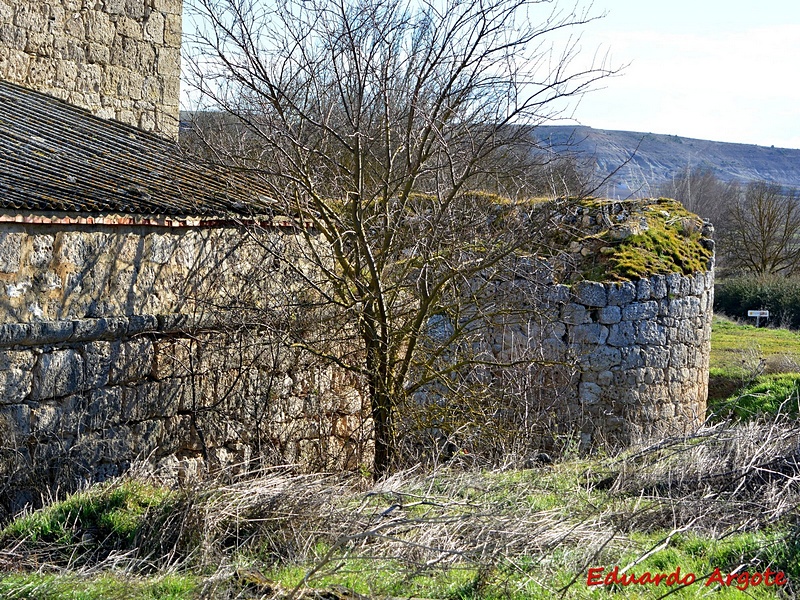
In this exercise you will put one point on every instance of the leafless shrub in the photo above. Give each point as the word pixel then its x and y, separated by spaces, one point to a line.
pixel 723 478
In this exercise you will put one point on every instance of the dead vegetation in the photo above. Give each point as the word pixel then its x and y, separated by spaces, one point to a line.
pixel 725 497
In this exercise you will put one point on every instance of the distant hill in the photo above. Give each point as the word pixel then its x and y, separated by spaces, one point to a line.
pixel 654 158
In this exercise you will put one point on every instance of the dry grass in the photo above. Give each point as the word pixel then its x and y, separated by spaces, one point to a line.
pixel 471 533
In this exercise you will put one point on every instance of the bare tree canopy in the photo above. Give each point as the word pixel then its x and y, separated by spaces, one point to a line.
pixel 761 233
pixel 376 121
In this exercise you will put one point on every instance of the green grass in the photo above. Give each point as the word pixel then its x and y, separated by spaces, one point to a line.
pixel 737 348
pixel 740 381
pixel 107 586
pixel 110 513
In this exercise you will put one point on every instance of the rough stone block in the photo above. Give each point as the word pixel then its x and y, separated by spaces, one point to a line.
pixel 622 334
pixel 589 393
pixel 133 361
pixel 590 293
pixel 15 422
pixel 650 333
pixel 14 333
pixel 621 293
pixel 591 334
pixel 50 332
pixel 658 287
pixel 609 315
pixel 10 251
pixel 97 358
pixel 604 358
pixel 104 409
pixel 58 373
pixel 639 311
pixel 575 314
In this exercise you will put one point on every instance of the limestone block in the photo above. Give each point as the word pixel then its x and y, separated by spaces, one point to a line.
pixel 622 334
pixel 10 251
pixel 130 28
pixel 152 400
pixel 115 7
pixel 168 6
pixel 638 311
pixel 172 30
pixel 650 333
pixel 133 361
pixel 99 53
pixel 609 315
pixel 575 314
pixel 41 252
pixel 104 409
pixel 58 373
pixel 621 293
pixel 75 26
pixel 50 332
pixel 631 358
pixel 590 293
pixel 14 37
pixel 13 333
pixel 135 9
pixel 589 393
pixel 171 85
pixel 62 418
pixel 154 28
pixel 89 79
pixel 6 12
pixel 658 287
pixel 678 355
pixel 97 358
pixel 15 422
pixel 605 379
pixel 162 247
pixel 15 375
pixel 31 15
pixel 589 334
pixel 604 358
pixel 657 357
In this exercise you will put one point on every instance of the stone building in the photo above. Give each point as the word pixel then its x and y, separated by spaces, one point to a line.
pixel 116 255
pixel 120 59
pixel 121 258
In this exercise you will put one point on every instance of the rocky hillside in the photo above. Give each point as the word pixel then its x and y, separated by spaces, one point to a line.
pixel 654 158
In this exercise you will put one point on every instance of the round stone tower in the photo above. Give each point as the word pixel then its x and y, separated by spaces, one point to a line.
pixel 118 58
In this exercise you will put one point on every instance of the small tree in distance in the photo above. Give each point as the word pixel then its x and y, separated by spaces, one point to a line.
pixel 374 121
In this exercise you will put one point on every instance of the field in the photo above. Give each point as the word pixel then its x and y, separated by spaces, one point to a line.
pixel 720 502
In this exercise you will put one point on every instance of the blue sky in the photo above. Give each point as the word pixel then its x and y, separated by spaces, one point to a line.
pixel 712 69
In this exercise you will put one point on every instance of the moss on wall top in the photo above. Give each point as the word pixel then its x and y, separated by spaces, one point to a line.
pixel 613 240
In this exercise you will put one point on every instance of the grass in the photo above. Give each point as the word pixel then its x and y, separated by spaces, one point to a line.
pixel 106 586
pixel 753 371
pixel 737 349
pixel 505 534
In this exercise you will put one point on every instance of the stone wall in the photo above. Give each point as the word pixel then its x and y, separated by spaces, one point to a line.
pixel 118 58
pixel 633 356
pixel 113 350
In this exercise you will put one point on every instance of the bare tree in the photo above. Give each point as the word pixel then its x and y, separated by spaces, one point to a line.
pixel 372 122
pixel 703 193
pixel 761 233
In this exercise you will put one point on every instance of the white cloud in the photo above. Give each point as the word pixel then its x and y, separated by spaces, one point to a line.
pixel 738 87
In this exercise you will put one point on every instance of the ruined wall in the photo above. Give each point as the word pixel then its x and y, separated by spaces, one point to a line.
pixel 112 350
pixel 118 58
pixel 641 350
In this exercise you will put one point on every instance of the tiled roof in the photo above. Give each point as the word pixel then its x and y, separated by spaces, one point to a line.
pixel 58 157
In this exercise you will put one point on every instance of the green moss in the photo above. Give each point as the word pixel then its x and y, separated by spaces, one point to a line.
pixel 669 244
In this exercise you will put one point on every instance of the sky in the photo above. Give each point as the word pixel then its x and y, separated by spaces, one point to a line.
pixel 723 70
